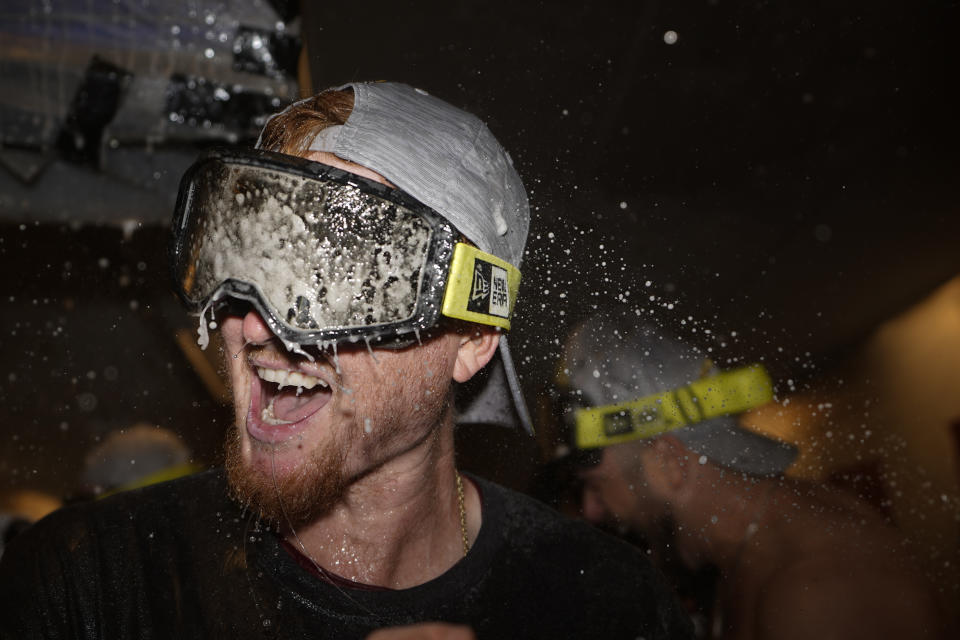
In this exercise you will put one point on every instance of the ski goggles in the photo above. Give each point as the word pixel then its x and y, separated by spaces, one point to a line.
pixel 727 393
pixel 325 255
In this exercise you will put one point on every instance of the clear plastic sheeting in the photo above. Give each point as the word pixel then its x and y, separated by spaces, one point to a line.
pixel 109 90
pixel 47 48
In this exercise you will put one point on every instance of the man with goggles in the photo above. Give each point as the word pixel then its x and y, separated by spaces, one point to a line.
pixel 652 426
pixel 360 262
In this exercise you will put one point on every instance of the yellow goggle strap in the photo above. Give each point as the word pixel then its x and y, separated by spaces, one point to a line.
pixel 728 393
pixel 481 287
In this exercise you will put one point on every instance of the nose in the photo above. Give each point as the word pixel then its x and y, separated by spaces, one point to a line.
pixel 593 509
pixel 255 329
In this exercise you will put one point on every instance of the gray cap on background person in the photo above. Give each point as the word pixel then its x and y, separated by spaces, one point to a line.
pixel 616 358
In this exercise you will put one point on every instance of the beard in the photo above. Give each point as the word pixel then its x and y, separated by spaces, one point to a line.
pixel 295 498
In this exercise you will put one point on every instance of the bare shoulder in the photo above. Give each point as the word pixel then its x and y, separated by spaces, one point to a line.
pixel 832 596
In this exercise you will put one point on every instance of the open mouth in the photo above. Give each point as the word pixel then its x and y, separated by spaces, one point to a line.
pixel 281 400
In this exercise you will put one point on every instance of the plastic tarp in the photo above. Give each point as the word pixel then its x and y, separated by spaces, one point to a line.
pixel 104 103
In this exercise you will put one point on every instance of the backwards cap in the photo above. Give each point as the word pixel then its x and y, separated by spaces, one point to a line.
pixel 441 155
pixel 611 360
pixel 447 159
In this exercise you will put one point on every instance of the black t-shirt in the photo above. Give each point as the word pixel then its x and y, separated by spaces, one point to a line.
pixel 181 560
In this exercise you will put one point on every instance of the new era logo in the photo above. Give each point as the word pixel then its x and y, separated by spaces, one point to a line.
pixel 481 285
pixel 489 293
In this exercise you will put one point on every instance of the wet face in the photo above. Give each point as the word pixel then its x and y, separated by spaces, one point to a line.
pixel 305 430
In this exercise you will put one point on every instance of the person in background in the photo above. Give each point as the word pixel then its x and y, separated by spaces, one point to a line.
pixel 361 265
pixel 131 458
pixel 126 459
pixel 654 433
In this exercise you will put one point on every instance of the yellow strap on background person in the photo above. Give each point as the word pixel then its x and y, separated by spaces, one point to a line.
pixel 481 287
pixel 163 475
pixel 727 393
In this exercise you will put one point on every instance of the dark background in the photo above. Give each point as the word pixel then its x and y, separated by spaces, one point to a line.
pixel 784 170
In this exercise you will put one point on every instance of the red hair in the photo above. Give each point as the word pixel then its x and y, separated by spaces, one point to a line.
pixel 292 131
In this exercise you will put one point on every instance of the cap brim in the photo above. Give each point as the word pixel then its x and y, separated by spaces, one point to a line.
pixel 494 395
pixel 726 443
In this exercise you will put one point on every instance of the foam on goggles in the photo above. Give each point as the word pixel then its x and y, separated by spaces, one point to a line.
pixel 325 255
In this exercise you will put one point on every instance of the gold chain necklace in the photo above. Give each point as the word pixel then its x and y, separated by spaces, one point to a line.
pixel 463 513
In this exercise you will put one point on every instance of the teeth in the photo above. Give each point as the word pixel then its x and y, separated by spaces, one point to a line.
pixel 266 415
pixel 284 378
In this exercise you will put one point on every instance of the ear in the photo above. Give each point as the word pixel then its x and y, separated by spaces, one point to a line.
pixel 667 465
pixel 477 346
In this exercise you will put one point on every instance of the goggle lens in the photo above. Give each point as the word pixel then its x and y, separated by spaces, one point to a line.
pixel 320 253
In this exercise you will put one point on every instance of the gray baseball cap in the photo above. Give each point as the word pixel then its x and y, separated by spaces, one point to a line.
pixel 450 161
pixel 128 456
pixel 613 358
